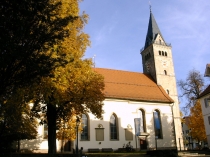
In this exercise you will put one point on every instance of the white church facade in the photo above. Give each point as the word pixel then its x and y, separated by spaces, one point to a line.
pixel 140 108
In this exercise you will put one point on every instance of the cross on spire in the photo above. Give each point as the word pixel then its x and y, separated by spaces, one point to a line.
pixel 150 7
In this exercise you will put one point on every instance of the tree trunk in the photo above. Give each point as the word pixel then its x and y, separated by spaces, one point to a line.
pixel 18 149
pixel 51 119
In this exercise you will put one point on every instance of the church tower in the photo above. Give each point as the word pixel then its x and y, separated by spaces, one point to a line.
pixel 157 61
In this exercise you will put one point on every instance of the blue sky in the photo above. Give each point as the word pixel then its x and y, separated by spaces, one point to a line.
pixel 118 28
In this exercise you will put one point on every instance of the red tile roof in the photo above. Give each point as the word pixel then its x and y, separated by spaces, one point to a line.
pixel 132 86
pixel 205 92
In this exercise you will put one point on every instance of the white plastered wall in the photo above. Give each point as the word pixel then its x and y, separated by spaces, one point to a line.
pixel 126 111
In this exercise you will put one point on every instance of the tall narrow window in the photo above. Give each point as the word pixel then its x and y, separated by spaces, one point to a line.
pixel 167 91
pixel 165 72
pixel 84 134
pixel 209 119
pixel 207 102
pixel 157 124
pixel 165 53
pixel 142 120
pixel 113 127
pixel 162 53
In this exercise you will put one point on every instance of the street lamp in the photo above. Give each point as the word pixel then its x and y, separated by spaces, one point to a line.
pixel 77 125
pixel 173 123
pixel 183 140
pixel 179 144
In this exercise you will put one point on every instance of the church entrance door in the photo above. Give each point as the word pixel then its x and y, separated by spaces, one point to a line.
pixel 143 143
pixel 67 146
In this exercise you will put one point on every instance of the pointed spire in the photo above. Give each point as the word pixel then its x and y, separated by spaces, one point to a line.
pixel 152 31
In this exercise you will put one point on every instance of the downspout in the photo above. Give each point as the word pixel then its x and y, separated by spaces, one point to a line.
pixel 173 124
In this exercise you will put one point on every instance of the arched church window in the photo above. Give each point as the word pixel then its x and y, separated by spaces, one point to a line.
pixel 157 124
pixel 141 114
pixel 165 53
pixel 165 72
pixel 113 127
pixel 160 53
pixel 167 91
pixel 85 128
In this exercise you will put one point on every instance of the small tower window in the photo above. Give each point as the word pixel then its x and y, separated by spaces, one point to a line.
pixel 165 53
pixel 165 72
pixel 167 91
pixel 147 56
pixel 160 53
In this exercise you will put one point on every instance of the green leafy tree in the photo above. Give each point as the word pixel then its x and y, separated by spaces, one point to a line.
pixel 42 51
pixel 33 33
pixel 16 121
pixel 29 29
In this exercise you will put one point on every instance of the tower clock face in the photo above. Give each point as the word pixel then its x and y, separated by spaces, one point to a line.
pixel 164 63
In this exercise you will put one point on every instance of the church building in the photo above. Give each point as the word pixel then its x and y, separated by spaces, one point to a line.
pixel 140 108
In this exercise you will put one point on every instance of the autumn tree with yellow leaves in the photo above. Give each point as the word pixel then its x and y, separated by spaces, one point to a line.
pixel 67 130
pixel 31 31
pixel 191 89
pixel 43 46
pixel 71 89
pixel 196 123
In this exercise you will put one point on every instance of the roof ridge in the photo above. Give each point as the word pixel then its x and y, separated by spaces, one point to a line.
pixel 205 92
pixel 140 98
pixel 120 70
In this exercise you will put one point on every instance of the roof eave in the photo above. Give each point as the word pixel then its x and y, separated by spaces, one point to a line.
pixel 140 99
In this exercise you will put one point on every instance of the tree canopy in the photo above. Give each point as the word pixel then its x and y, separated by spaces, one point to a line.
pixel 196 123
pixel 191 88
pixel 16 121
pixel 73 88
pixel 41 55
pixel 29 29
